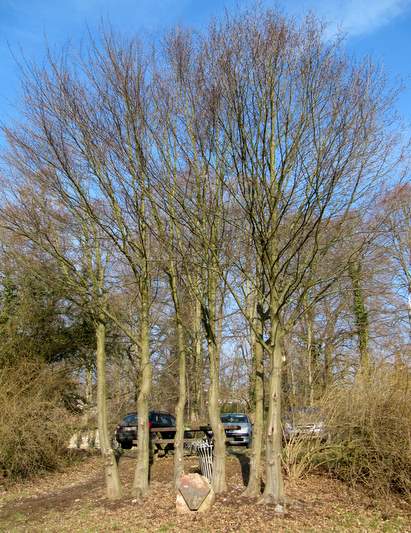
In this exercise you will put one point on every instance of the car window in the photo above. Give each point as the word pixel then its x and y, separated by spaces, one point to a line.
pixel 234 419
pixel 165 420
pixel 130 420
pixel 156 419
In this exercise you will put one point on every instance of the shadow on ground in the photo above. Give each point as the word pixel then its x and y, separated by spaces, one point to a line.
pixel 244 461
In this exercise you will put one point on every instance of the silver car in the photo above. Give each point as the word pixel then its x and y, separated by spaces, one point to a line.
pixel 305 422
pixel 238 429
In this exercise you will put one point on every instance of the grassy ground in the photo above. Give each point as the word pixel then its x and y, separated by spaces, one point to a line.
pixel 73 500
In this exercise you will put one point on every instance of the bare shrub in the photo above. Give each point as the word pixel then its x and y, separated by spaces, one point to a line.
pixel 302 456
pixel 370 430
pixel 34 424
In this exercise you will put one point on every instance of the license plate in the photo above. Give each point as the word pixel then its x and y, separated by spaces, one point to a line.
pixel 131 428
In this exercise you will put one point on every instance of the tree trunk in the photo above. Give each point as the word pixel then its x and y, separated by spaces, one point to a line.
pixel 88 394
pixel 141 476
pixel 310 371
pixel 274 486
pixel 253 489
pixel 113 487
pixel 327 364
pixel 179 438
pixel 218 480
pixel 257 396
pixel 360 315
pixel 197 400
pixel 291 379
pixel 89 385
pixel 180 408
pixel 329 336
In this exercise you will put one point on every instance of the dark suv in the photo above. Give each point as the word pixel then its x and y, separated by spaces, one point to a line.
pixel 126 431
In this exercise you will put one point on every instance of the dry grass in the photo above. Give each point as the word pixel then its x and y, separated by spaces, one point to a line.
pixel 303 456
pixel 370 426
pixel 368 423
pixel 34 425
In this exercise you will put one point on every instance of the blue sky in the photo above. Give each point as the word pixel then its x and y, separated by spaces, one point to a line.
pixel 380 28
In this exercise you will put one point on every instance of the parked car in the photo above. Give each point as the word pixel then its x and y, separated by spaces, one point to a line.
pixel 306 422
pixel 242 435
pixel 126 431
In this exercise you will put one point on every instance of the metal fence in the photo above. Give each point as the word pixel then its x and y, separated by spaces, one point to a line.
pixel 204 451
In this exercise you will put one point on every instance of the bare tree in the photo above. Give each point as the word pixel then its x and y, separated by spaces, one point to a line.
pixel 398 235
pixel 304 138
pixel 230 161
pixel 97 163
pixel 53 226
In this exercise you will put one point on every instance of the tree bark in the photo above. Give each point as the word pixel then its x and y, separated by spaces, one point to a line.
pixel 218 480
pixel 274 486
pixel 179 438
pixel 253 489
pixel 180 408
pixel 197 400
pixel 113 486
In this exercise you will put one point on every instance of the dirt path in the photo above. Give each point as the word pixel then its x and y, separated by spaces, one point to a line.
pixel 74 500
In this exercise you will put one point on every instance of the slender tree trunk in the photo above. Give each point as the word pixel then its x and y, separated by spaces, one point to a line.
pixel 179 438
pixel 360 315
pixel 409 309
pixel 189 389
pixel 113 487
pixel 88 393
pixel 197 401
pixel 274 486
pixel 141 477
pixel 89 385
pixel 135 360
pixel 219 326
pixel 218 480
pixel 253 489
pixel 327 364
pixel 289 376
pixel 180 408
pixel 310 362
pixel 329 348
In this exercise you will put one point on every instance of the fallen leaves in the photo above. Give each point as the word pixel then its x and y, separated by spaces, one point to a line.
pixel 74 500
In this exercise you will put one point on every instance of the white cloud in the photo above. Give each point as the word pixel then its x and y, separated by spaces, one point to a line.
pixel 356 17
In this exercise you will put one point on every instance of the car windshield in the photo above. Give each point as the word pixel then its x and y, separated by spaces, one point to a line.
pixel 234 419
